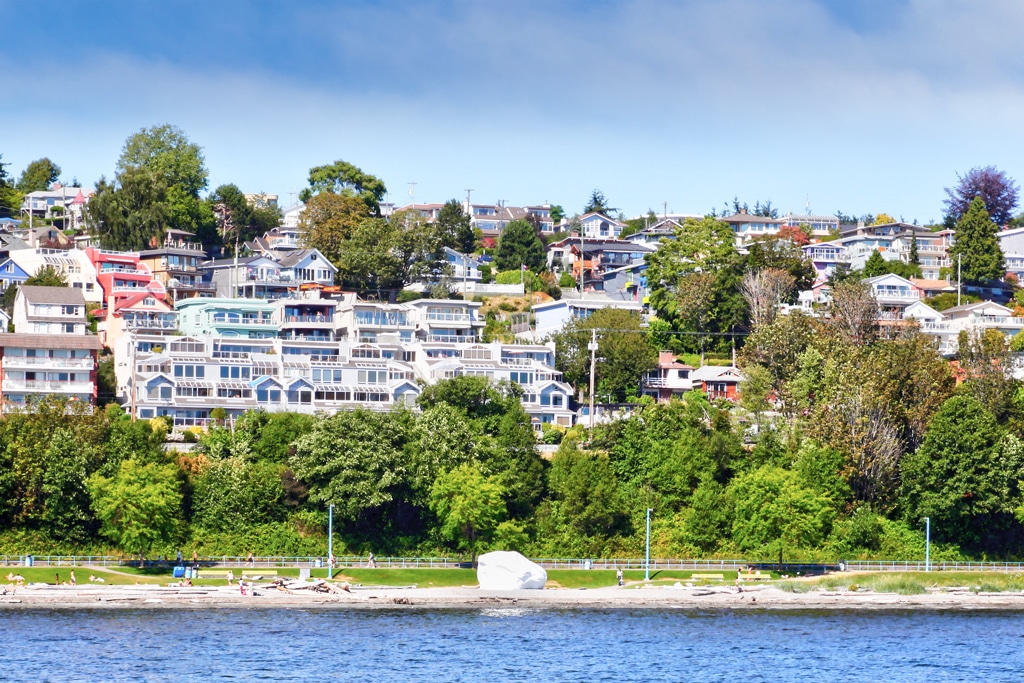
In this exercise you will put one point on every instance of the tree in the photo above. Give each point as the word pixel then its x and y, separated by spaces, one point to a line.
pixel 48 276
pixel 854 310
pixel 139 507
pixel 622 348
pixel 976 251
pixel 764 290
pixel 520 246
pixel 167 155
pixel 468 504
pixel 342 178
pixel 997 191
pixel 875 265
pixel 353 459
pixel 237 219
pixel 557 213
pixel 774 509
pixel 10 196
pixel 231 494
pixel 598 204
pixel 159 177
pixel 455 228
pixel 66 511
pixel 329 221
pixel 38 175
pixel 964 477
pixel 694 281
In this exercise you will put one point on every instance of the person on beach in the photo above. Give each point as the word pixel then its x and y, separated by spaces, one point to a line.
pixel 73 580
pixel 241 586
pixel 57 574
pixel 231 578
pixel 251 560
pixel 331 562
pixel 618 577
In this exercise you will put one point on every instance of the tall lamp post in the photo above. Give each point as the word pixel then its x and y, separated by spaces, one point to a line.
pixel 927 543
pixel 647 552
pixel 330 539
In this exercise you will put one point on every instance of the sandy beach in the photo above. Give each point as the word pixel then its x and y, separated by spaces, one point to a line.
pixel 267 596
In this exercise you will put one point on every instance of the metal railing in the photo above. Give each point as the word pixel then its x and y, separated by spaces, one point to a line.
pixel 656 564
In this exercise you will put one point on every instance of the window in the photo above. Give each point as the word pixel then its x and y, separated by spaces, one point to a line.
pixel 268 395
pixel 233 393
pixel 373 376
pixel 521 377
pixel 364 352
pixel 192 392
pixel 189 371
pixel 235 372
pixel 68 328
pixel 187 346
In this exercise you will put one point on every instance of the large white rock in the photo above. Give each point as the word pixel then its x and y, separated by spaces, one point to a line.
pixel 505 570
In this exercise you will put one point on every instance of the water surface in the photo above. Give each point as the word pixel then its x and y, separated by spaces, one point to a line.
pixel 510 644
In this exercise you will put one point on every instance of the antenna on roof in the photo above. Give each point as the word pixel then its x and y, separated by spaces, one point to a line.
pixel 807 204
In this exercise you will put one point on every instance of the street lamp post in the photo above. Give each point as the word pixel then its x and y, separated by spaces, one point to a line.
pixel 330 538
pixel 927 543
pixel 647 552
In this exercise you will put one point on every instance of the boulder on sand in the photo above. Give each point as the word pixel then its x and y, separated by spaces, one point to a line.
pixel 505 570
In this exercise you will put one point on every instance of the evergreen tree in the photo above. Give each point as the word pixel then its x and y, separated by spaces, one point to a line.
pixel 520 246
pixel 915 259
pixel 455 228
pixel 875 265
pixel 977 245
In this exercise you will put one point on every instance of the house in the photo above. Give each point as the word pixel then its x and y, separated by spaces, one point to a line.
pixel 552 316
pixel 670 379
pixel 59 203
pixel 235 318
pixel 248 277
pixel 49 310
pixel 73 264
pixel 175 265
pixel 718 381
pixel 595 225
pixel 893 294
pixel 446 320
pixel 748 227
pixel 819 227
pixel 49 353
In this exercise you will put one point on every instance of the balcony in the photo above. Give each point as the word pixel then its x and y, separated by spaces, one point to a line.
pixel 107 269
pixel 54 386
pixel 238 320
pixel 451 338
pixel 37 362
pixel 316 319
pixel 153 287
pixel 150 324
pixel 449 317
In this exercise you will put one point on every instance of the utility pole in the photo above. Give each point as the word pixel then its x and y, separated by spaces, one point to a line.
pixel 647 553
pixel 927 543
pixel 959 267
pixel 131 375
pixel 468 193
pixel 664 206
pixel 592 347
pixel 412 193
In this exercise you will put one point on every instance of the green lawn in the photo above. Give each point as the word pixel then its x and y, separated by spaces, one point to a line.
pixel 422 578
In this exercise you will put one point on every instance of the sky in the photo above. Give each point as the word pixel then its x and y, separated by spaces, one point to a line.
pixel 859 106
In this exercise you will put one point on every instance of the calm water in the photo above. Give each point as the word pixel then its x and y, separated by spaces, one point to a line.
pixel 510 645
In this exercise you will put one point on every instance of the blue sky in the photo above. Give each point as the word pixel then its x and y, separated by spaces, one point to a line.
pixel 863 106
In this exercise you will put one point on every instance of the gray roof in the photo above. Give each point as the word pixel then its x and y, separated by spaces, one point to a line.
pixel 49 341
pixel 53 295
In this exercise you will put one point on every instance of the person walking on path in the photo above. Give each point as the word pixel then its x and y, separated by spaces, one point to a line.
pixel 618 577
pixel 195 558
pixel 73 581
pixel 372 562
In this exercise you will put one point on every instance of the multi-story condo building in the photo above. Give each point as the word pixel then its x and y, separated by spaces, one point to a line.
pixel 49 353
pixel 184 378
pixel 230 318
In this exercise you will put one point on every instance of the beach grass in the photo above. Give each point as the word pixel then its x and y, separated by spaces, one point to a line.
pixel 421 578
pixel 917 583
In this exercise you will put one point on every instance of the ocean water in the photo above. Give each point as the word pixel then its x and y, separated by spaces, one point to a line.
pixel 510 644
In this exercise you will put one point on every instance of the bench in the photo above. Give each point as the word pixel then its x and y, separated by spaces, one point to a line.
pixel 756 576
pixel 708 577
pixel 259 572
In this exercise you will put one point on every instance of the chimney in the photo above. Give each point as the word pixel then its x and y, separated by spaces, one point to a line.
pixel 743 211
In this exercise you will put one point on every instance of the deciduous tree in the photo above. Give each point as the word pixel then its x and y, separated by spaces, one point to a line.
pixel 38 175
pixel 468 504
pixel 345 179
pixel 997 191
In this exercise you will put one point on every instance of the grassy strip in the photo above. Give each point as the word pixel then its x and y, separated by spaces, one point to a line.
pixel 912 583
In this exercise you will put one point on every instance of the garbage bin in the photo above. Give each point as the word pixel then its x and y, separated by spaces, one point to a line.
pixel 178 572
pixel 28 560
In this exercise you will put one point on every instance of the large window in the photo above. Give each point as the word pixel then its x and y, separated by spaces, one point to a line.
pixel 189 371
